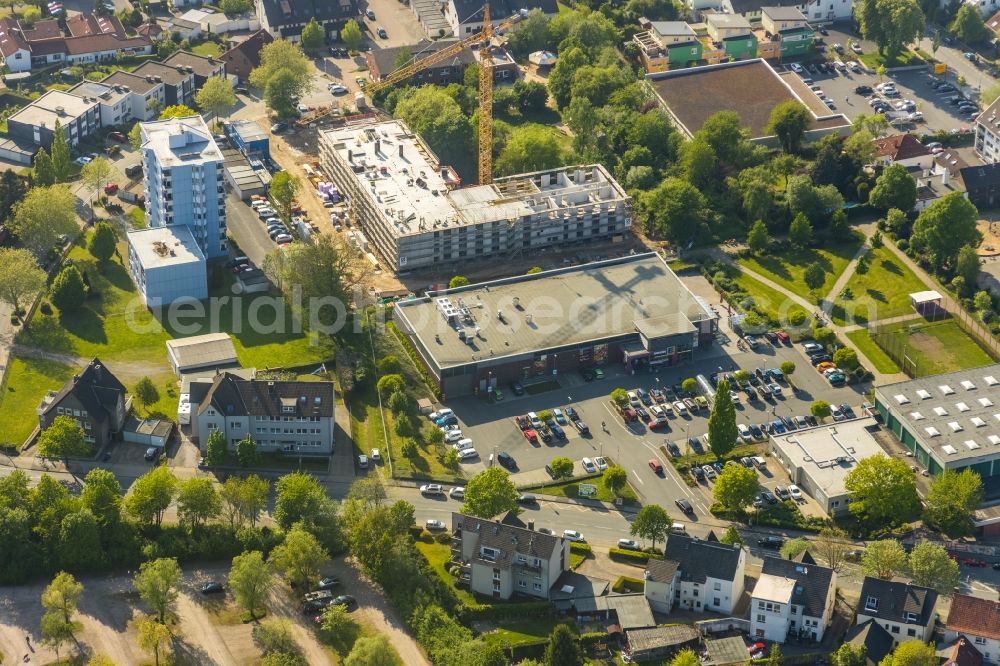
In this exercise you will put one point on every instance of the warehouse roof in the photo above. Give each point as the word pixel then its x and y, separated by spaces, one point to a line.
pixel 199 351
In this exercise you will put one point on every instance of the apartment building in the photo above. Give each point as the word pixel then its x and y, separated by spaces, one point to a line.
pixel 180 156
pixel 79 116
pixel 178 83
pixel 903 609
pixel 94 398
pixel 978 620
pixel 284 19
pixel 792 598
pixel 506 557
pixel 146 96
pixel 290 417
pixel 414 217
pixel 987 127
pixel 166 265
pixel 201 67
pixel 696 575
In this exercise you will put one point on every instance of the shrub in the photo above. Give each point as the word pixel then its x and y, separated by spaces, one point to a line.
pixel 519 610
pixel 628 584
pixel 903 244
pixel 580 548
pixel 442 537
pixel 632 556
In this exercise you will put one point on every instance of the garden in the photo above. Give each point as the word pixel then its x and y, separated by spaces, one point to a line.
pixel 788 266
pixel 880 288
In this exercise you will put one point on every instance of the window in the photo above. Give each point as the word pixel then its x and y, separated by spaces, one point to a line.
pixel 496 574
pixel 718 586
pixel 979 640
pixel 871 603
pixel 762 619
pixel 537 587
pixel 488 553
pixel 522 583
pixel 911 617
pixel 894 629
pixel 717 601
pixel 911 632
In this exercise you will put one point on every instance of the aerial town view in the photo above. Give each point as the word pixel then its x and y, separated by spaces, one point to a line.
pixel 494 333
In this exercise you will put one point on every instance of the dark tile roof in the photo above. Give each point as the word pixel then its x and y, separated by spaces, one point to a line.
pixel 877 641
pixel 896 599
pixel 698 560
pixel 812 582
pixel 48 29
pixel 471 10
pixel 103 42
pixel 234 396
pixel 96 389
pixel 507 539
pixel 385 59
pixel 752 6
pixel 135 83
pixel 961 653
pixel 205 66
pixel 169 74
pixel 661 571
pixel 974 616
pixel 984 175
pixel 293 12
pixel 89 24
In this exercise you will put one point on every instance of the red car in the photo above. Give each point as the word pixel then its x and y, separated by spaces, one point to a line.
pixel 522 422
pixel 111 188
pixel 530 435
pixel 629 415
pixel 656 465
pixel 118 136
pixel 658 425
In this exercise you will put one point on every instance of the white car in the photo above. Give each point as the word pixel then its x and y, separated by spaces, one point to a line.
pixel 83 160
pixel 601 463
pixel 536 422
pixel 337 89
pixel 735 397
pixel 854 66
pixel 462 444
pixel 744 433
pixel 589 466
pixel 376 456
pixel 633 399
pixel 434 524
pixel 458 492
pixel 573 535
pixel 363 462
pixel 440 414
pixel 775 389
pixel 709 471
pixel 794 491
pixel 680 408
pixel 558 415
pixel 466 454
pixel 657 412
pixel 797 68
pixel 431 489
pixel 453 435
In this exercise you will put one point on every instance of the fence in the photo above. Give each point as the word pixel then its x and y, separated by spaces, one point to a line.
pixel 894 339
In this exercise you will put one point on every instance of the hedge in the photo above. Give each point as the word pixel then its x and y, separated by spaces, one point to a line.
pixel 517 610
pixel 580 548
pixel 628 584
pixel 632 556
pixel 591 638
pixel 417 361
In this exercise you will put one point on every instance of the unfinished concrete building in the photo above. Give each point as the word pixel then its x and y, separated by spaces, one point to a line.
pixel 414 214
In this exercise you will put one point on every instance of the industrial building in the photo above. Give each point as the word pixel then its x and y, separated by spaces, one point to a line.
pixel 249 138
pixel 180 156
pixel 819 459
pixel 413 215
pixel 631 310
pixel 166 265
pixel 949 421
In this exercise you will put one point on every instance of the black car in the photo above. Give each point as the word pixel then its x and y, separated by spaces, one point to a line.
pixel 530 500
pixel 642 414
pixel 517 388
pixel 771 542
pixel 823 31
pixel 695 445
pixel 768 497
pixel 757 433
pixel 751 395
pixel 789 423
pixel 820 358
pixel 571 414
pixel 212 587
pixel 848 412
pixel 699 473
pixel 344 600
pixel 673 449
pixel 506 460
pixel 684 505
pixel 863 90
pixel 588 375
pixel 328 583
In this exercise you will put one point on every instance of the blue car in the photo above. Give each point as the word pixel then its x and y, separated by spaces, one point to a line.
pixel 778 427
pixel 448 420
pixel 776 374
pixel 557 431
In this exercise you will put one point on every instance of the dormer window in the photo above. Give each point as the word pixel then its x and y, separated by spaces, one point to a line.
pixel 911 618
pixel 871 603
pixel 489 553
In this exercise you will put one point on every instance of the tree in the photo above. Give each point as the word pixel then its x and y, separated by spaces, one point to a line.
pixel 793 548
pixel 883 559
pixel 563 648
pixel 244 499
pixel 652 522
pixel 912 652
pixel 951 500
pixel 698 162
pixel 283 189
pixel 177 111
pixel 217 95
pixel 197 501
pixel 732 536
pixel 896 220
pixel 758 239
pixel 983 303
pixel 824 336
pixel 215 448
pixel 615 479
pixel 151 495
pixel 234 8
pixel 369 490
pixel 145 391
pixel 685 658
pixel 42 216
pixel 689 385
pixel 458 281
pixel 789 121
pixel 849 654
pixel 299 557
pixel 814 277
pixel 95 174
pixel 846 359
pixel 246 451
pixel 59 150
pixel 350 34
pixel 299 497
pixel 284 74
pixel 722 433
pixel 62 595
pixel 882 489
pixel 100 660
pixel 832 544
pixel 63 438
pixel 153 637
pixel 816 202
pixel 820 409
pixel 43 173
pixel 890 23
pixel 945 227
pixel 967 264
pixel 372 651
pixel 562 468
pixel 800 232
pixel 930 566
pixel 78 541
pixel 675 209
pixel 20 276
pixel 530 147
pixel 312 36
pixel 55 630
pixel 251 579
pixel 157 582
pixel 736 487
pixel 68 290
pixel 102 496
pixel 787 368
pixel 968 26
pixel 135 136
pixel 490 493
pixel 103 242
pixel 895 188
pixel 326 267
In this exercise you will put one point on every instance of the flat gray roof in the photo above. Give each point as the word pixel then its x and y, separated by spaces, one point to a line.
pixel 662 637
pixel 157 247
pixel 552 309
pixel 956 416
pixel 828 452
pixel 730 650
pixel 211 349
pixel 52 106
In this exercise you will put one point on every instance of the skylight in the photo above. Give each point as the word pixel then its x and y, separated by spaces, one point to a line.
pixel 901 399
pixel 916 416
pixel 955 426
pixel 962 407
pixel 923 394
pixel 978 422
pixel 941 411
pixel 946 390
pixel 967 385
pixel 949 449
pixel 994 439
pixel 991 380
pixel 985 402
pixel 971 444
pixel 932 431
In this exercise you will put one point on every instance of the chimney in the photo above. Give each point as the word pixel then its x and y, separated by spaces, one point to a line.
pixel 531 525
pixel 400 151
pixel 944 177
pixel 98 372
pixel 378 146
pixel 350 155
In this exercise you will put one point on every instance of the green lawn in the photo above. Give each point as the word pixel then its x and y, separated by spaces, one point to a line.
pixel 27 380
pixel 875 354
pixel 788 267
pixel 523 633
pixel 770 301
pixel 207 49
pixel 138 217
pixel 932 348
pixel 874 59
pixel 438 555
pixel 880 292
pixel 571 489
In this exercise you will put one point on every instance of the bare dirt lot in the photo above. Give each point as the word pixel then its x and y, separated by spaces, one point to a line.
pixel 990 229
pixel 208 630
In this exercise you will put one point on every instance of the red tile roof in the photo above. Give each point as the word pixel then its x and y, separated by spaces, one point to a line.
pixel 11 39
pixel 974 616
pixel 900 147
pixel 993 23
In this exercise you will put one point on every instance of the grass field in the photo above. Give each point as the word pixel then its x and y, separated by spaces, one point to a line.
pixel 207 49
pixel 523 633
pixel 875 354
pixel 769 301
pixel 27 381
pixel 438 555
pixel 906 58
pixel 571 489
pixel 880 292
pixel 788 267
pixel 932 348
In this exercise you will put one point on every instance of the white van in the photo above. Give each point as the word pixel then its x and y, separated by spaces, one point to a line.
pixel 463 444
pixel 678 528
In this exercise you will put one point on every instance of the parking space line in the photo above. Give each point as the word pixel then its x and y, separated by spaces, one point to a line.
pixel 638 478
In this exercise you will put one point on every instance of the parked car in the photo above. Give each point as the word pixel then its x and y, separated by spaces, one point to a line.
pixel 328 583
pixel 573 535
pixel 506 460
pixel 433 524
pixel 656 466
pixel 527 499
pixel 601 463
pixel 684 505
pixel 629 544
pixel 517 388
pixel 458 492
pixel 212 587
pixel 794 491
pixel 774 542
pixel 589 466
pixel 431 489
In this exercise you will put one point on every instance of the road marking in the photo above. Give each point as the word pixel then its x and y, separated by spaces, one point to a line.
pixel 638 478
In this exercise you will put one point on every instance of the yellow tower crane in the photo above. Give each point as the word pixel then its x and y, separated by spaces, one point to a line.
pixel 482 39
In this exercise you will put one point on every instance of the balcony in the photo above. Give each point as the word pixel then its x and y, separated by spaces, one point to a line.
pixel 528 566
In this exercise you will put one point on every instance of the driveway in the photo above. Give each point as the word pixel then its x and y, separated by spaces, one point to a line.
pixel 247 230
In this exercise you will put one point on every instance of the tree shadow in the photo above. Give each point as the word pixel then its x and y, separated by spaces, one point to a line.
pixel 891 267
pixel 115 274
pixel 46 333
pixel 877 295
pixel 188 653
pixel 775 266
pixel 85 324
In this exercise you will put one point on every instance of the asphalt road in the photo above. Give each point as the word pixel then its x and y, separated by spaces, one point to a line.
pixel 247 230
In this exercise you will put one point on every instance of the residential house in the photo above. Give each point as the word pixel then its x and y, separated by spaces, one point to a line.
pixel 982 184
pixel 147 97
pixel 668 45
pixel 876 641
pixel 696 575
pixel 903 149
pixel 291 417
pixel 791 28
pixel 792 598
pixel 817 11
pixel 90 39
pixel 35 123
pixel 382 62
pixel 243 57
pixel 94 398
pixel 733 34
pixel 979 621
pixel 903 609
pixel 203 67
pixel 284 19
pixel 505 557
pixel 180 28
pixel 178 85
pixel 14 48
pixel 961 652
pixel 465 17
pixel 985 7
pixel 987 127
pixel 993 23
pixel 153 31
